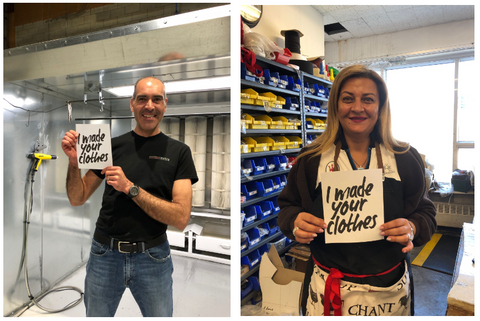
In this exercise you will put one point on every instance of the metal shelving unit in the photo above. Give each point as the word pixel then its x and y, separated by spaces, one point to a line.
pixel 303 113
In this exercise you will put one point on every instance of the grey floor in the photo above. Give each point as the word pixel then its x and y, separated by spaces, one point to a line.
pixel 200 289
pixel 431 287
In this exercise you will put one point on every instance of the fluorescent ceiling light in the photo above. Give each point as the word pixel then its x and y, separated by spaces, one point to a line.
pixel 195 16
pixel 182 86
pixel 18 101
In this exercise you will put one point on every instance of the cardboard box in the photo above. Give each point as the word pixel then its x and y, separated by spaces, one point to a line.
pixel 281 287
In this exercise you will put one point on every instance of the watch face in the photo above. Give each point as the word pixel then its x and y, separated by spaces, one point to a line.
pixel 133 191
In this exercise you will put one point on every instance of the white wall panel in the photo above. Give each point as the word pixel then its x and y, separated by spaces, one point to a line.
pixel 439 37
pixel 304 18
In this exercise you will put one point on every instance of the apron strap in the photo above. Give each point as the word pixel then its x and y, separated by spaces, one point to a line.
pixel 337 152
pixel 379 157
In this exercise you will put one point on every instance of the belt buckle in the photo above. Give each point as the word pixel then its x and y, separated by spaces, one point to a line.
pixel 124 242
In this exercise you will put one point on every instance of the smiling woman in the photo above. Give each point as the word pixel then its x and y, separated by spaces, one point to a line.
pixel 358 137
pixel 358 112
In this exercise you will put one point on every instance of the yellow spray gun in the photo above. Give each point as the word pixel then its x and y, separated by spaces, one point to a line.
pixel 37 157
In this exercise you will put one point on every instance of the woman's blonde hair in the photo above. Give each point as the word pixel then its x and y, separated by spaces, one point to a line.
pixel 383 127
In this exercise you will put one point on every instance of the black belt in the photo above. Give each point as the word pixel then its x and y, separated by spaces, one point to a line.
pixel 129 247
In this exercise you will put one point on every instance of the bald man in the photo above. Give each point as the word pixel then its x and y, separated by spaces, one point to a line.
pixel 148 188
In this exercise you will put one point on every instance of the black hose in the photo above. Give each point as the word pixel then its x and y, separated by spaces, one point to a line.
pixel 28 208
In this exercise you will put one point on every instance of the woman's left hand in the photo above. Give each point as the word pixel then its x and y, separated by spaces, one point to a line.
pixel 398 231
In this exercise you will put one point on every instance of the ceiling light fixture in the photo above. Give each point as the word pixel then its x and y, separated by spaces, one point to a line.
pixel 194 16
pixel 181 86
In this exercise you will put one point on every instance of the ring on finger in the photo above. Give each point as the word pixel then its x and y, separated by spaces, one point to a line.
pixel 410 237
pixel 108 177
pixel 295 230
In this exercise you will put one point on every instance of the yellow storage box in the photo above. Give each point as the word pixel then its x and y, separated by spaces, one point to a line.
pixel 274 124
pixel 273 145
pixel 254 123
pixel 288 124
pixel 269 96
pixel 258 145
pixel 296 141
pixel 314 123
pixel 246 147
pixel 249 93
pixel 282 139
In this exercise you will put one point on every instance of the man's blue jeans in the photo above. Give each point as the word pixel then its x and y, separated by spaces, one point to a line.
pixel 148 275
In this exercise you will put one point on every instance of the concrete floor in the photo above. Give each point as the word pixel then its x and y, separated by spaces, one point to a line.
pixel 431 287
pixel 200 289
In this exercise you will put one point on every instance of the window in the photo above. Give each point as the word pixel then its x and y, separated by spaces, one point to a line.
pixel 425 114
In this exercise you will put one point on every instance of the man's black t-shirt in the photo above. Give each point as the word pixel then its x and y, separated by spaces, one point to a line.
pixel 152 163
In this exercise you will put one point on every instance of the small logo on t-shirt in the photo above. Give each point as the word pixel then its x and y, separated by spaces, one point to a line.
pixel 160 158
pixel 331 167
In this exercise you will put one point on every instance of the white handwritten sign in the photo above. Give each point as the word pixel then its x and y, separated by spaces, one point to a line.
pixel 94 146
pixel 353 205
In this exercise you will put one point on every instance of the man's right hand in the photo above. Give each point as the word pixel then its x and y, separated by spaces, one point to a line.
pixel 308 227
pixel 69 144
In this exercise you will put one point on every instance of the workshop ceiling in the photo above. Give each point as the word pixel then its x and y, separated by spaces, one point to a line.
pixel 364 21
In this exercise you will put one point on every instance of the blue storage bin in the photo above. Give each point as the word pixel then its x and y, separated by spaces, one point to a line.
pixel 267 227
pixel 253 167
pixel 243 242
pixel 270 161
pixel 253 237
pixel 294 85
pixel 260 166
pixel 283 181
pixel 251 214
pixel 319 90
pixel 255 283
pixel 276 183
pixel 271 78
pixel 264 187
pixel 275 161
pixel 249 190
pixel 306 88
pixel 245 74
pixel 291 103
pixel 276 76
pixel 266 209
pixel 307 105
pixel 247 167
pixel 247 290
pixel 283 81
pixel 251 259
pixel 262 249
pixel 278 242
pixel 276 208
pixel 283 162
pixel 271 226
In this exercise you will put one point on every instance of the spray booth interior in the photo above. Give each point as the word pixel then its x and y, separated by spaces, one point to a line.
pixel 47 92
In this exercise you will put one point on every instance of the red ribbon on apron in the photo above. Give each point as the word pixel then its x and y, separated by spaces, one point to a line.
pixel 332 287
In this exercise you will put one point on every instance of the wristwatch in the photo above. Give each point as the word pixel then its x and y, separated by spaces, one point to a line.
pixel 133 191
